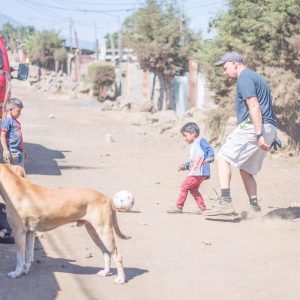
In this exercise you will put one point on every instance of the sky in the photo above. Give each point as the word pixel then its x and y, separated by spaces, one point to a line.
pixel 93 19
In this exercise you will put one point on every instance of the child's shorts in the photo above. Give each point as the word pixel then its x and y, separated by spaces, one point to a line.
pixel 17 158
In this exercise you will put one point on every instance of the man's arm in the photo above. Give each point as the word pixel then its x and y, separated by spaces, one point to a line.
pixel 256 117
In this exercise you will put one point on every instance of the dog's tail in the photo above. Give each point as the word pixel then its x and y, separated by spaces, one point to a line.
pixel 116 224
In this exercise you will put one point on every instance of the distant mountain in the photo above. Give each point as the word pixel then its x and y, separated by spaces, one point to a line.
pixel 4 19
pixel 84 44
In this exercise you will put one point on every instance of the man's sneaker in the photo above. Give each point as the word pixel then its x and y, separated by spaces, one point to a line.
pixel 223 208
pixel 174 210
pixel 254 206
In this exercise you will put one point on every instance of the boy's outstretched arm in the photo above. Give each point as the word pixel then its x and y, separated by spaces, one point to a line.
pixel 184 166
pixel 6 153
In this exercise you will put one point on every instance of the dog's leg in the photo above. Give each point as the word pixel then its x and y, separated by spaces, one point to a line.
pixel 119 264
pixel 107 249
pixel 107 237
pixel 106 255
pixel 30 237
pixel 20 240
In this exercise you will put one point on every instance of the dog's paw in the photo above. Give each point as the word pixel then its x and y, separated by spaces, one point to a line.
pixel 119 280
pixel 104 273
pixel 14 274
pixel 26 269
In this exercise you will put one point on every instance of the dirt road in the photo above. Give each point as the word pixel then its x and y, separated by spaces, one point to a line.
pixel 169 256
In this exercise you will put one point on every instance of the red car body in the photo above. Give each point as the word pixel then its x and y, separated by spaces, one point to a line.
pixel 6 77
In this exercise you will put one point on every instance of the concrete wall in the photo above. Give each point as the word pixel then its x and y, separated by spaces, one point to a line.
pixel 190 90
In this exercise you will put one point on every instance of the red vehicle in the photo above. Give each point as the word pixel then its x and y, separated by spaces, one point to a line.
pixel 6 76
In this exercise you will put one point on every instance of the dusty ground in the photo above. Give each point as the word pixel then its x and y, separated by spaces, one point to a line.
pixel 170 256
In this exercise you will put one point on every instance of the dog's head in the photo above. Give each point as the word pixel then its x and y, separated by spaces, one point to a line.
pixel 16 169
pixel 19 171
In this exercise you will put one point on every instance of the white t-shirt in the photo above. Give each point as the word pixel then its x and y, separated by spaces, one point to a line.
pixel 196 158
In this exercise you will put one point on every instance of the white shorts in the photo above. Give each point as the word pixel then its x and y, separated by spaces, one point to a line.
pixel 241 149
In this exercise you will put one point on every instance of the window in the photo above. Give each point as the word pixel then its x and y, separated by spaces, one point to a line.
pixel 1 60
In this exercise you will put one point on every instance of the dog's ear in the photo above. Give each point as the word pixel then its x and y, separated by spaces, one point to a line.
pixel 19 171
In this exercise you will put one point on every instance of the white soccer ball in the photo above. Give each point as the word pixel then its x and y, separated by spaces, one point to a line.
pixel 123 200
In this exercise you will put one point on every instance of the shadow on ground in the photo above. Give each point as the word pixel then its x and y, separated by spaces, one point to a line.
pixel 289 213
pixel 43 161
pixel 40 282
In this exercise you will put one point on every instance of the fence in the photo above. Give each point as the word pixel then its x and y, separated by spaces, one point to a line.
pixel 190 90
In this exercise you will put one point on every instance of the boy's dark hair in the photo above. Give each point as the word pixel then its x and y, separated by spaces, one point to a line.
pixel 190 127
pixel 14 103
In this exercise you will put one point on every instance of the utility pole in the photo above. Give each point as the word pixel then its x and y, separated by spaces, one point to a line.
pixel 97 42
pixel 181 25
pixel 120 41
pixel 77 59
pixel 112 47
pixel 71 25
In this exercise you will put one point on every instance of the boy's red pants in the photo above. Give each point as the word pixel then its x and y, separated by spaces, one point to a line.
pixel 191 183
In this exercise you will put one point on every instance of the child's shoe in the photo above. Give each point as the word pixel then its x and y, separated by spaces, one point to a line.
pixel 203 210
pixel 174 210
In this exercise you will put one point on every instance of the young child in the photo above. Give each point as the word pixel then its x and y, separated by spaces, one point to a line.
pixel 201 155
pixel 11 134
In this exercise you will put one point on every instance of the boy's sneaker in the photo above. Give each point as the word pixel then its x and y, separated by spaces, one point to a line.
pixel 203 210
pixel 254 205
pixel 174 210
pixel 223 208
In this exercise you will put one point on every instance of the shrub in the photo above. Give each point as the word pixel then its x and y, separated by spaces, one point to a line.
pixel 102 77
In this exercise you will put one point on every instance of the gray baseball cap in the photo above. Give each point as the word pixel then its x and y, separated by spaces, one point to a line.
pixel 230 56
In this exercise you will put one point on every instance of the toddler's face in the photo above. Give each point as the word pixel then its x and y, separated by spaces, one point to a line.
pixel 16 112
pixel 189 137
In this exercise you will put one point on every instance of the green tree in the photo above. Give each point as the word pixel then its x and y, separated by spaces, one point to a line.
pixel 267 34
pixel 162 42
pixel 113 37
pixel 45 48
pixel 15 37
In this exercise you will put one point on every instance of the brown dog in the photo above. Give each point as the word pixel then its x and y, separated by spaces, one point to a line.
pixel 32 208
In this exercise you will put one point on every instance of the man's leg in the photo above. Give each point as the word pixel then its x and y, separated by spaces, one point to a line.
pixel 249 183
pixel 251 189
pixel 224 174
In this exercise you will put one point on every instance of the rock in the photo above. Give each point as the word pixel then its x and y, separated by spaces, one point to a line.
pixel 125 106
pixel 109 139
pixel 138 118
pixel 206 242
pixel 107 105
pixel 146 106
pixel 165 127
pixel 166 116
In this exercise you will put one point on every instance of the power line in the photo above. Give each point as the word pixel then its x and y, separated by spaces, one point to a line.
pixel 78 9
pixel 106 4
pixel 36 8
pixel 207 4
pixel 53 16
